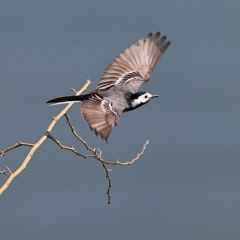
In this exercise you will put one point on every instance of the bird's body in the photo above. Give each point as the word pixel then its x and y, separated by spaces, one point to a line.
pixel 117 92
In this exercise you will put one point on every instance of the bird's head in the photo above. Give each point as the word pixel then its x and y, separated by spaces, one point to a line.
pixel 141 98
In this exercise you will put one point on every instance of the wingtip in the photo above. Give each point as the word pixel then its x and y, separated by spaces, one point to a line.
pixel 99 134
pixel 165 46
pixel 160 39
pixel 157 35
pixel 105 138
pixel 150 35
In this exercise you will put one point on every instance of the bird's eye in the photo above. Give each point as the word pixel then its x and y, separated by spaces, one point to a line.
pixel 145 96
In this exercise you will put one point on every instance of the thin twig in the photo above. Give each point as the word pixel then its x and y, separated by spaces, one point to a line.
pixel 6 171
pixel 109 182
pixel 97 154
pixel 79 138
pixel 73 90
pixel 124 163
pixel 71 149
pixel 16 145
pixel 95 151
pixel 135 158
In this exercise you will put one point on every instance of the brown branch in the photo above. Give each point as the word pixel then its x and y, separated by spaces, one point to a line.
pixel 40 142
pixel 109 182
pixel 71 149
pixel 97 154
pixel 79 138
pixel 16 145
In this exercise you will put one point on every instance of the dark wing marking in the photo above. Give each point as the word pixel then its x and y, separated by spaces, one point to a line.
pixel 135 64
pixel 100 115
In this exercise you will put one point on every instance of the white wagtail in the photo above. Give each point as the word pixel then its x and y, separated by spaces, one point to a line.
pixel 117 92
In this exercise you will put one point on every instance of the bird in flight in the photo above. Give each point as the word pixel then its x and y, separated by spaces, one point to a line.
pixel 117 91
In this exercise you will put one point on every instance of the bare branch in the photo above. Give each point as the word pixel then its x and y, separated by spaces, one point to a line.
pixel 16 145
pixel 97 154
pixel 135 158
pixel 96 151
pixel 6 171
pixel 73 90
pixel 40 142
pixel 80 139
pixel 71 149
pixel 109 182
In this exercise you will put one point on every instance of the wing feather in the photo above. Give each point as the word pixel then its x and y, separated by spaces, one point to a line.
pixel 141 57
pixel 100 116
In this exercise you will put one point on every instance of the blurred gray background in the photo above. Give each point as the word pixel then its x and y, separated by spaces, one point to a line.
pixel 187 184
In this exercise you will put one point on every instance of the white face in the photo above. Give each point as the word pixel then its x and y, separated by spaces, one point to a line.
pixel 146 97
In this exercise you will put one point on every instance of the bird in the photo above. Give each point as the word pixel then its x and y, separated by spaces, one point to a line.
pixel 117 92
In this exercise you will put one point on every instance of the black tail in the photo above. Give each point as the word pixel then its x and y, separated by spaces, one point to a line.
pixel 67 99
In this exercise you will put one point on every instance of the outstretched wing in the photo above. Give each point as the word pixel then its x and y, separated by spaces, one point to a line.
pixel 100 115
pixel 134 65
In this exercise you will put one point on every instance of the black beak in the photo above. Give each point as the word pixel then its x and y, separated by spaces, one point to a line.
pixel 155 96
